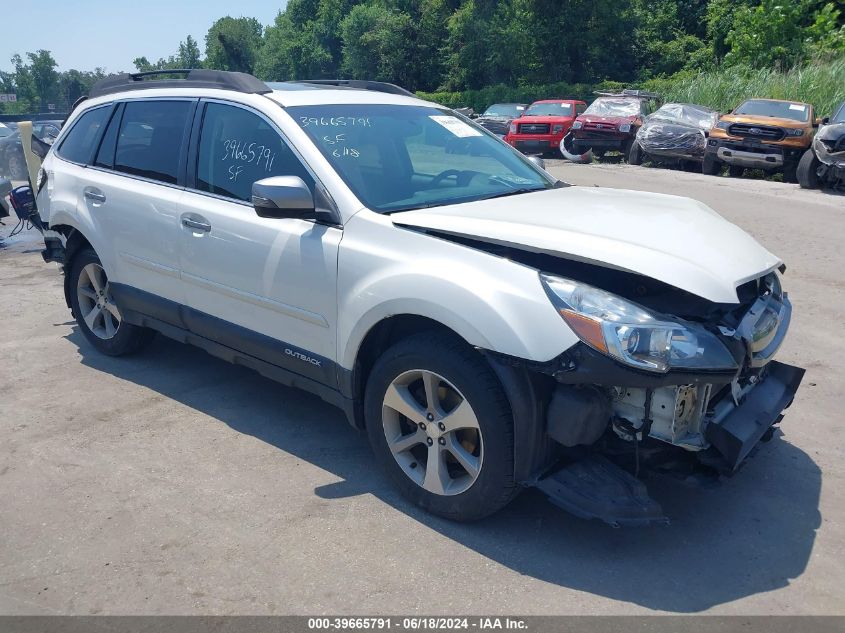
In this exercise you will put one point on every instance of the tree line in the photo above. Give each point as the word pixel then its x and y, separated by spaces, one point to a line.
pixel 455 45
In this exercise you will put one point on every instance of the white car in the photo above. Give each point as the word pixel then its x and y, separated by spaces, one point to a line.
pixel 490 327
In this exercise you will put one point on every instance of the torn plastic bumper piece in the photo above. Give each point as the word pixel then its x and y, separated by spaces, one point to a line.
pixel 596 488
pixel 739 430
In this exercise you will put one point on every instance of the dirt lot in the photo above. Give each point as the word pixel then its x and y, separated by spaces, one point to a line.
pixel 172 482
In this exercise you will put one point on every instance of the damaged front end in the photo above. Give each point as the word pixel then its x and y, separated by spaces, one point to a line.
pixel 829 148
pixel 645 392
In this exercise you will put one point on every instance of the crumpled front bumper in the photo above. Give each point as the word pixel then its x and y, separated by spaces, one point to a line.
pixel 737 427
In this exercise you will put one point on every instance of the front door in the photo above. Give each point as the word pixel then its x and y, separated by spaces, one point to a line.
pixel 264 286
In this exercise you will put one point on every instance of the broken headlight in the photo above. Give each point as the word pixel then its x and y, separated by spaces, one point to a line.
pixel 632 335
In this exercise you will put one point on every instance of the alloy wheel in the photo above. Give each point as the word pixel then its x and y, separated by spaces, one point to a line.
pixel 96 306
pixel 432 432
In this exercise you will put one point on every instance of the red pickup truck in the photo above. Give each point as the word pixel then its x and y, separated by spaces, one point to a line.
pixel 542 126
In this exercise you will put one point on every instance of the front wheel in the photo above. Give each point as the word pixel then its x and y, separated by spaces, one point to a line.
pixel 635 154
pixel 710 166
pixel 790 172
pixel 808 171
pixel 441 426
pixel 95 311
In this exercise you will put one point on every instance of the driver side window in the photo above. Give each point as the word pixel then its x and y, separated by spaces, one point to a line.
pixel 237 148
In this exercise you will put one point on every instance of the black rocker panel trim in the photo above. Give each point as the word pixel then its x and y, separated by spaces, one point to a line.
pixel 144 308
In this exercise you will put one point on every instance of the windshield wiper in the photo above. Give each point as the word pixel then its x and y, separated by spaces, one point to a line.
pixel 512 192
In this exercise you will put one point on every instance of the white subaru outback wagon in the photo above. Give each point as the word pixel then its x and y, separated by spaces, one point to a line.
pixel 490 327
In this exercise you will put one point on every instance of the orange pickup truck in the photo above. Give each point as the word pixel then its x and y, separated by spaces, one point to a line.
pixel 763 134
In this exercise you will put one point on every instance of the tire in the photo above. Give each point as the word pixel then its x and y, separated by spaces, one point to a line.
pixel 790 172
pixel 710 166
pixel 469 394
pixel 636 155
pixel 17 167
pixel 735 171
pixel 95 311
pixel 808 176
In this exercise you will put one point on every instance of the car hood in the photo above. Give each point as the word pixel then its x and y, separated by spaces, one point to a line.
pixel 612 120
pixel 675 240
pixel 545 118
pixel 752 119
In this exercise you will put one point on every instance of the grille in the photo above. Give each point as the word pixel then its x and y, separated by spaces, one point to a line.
pixel 763 132
pixel 534 128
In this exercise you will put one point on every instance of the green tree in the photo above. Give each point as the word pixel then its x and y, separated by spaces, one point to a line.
pixel 377 43
pixel 45 79
pixel 233 43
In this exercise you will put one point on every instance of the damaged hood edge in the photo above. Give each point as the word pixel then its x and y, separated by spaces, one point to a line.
pixel 672 239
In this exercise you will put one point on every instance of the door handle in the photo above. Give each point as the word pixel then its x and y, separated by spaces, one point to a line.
pixel 205 227
pixel 94 196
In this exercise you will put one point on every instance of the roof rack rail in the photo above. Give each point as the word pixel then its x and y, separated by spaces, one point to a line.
pixel 193 78
pixel 358 84
pixel 637 94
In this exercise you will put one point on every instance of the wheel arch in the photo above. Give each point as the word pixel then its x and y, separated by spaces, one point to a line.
pixel 75 241
pixel 528 393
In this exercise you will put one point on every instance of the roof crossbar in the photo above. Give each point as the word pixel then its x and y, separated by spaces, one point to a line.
pixel 193 78
pixel 358 84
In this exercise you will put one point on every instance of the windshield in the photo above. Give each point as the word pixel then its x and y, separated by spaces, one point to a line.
pixel 777 109
pixel 510 110
pixel 687 114
pixel 549 109
pixel 5 131
pixel 396 158
pixel 614 106
pixel 839 117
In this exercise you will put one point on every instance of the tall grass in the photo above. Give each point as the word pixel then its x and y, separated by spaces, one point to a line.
pixel 819 83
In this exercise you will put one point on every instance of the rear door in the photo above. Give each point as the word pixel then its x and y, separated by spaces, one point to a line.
pixel 132 192
pixel 262 285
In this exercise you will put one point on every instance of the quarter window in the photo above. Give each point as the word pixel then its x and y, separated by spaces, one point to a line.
pixel 78 145
pixel 149 143
pixel 238 147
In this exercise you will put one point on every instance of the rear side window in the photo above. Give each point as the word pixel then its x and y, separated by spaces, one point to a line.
pixel 149 142
pixel 580 107
pixel 78 146
pixel 237 148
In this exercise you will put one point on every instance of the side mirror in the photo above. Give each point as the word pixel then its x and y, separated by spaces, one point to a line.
pixel 537 161
pixel 824 121
pixel 39 147
pixel 283 197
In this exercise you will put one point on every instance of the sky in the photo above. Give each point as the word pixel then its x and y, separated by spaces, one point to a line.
pixel 84 34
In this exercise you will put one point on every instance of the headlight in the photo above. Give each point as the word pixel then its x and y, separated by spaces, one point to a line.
pixel 512 128
pixel 625 127
pixel 795 132
pixel 557 129
pixel 723 125
pixel 632 335
pixel 577 125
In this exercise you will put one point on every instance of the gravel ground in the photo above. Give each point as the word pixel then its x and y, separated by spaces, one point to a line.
pixel 171 482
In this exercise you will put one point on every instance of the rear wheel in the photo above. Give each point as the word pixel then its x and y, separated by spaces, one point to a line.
pixel 710 166
pixel 95 311
pixel 440 425
pixel 808 174
pixel 735 171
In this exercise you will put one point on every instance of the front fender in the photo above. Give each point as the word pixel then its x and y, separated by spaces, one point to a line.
pixel 491 302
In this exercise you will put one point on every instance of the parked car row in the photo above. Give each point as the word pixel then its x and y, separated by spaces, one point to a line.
pixel 12 163
pixel 776 136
